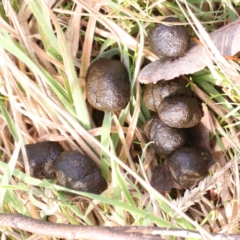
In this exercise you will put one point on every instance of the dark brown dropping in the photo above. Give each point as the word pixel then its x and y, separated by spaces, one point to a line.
pixel 153 94
pixel 162 180
pixel 78 172
pixel 188 166
pixel 166 140
pixel 170 41
pixel 180 112
pixel 107 85
pixel 40 158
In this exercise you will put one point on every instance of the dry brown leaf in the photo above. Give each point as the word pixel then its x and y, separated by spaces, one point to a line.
pixel 223 184
pixel 72 33
pixel 226 40
pixel 88 41
pixel 207 119
pixel 200 137
pixel 200 133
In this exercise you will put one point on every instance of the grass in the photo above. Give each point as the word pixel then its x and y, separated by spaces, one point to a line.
pixel 45 52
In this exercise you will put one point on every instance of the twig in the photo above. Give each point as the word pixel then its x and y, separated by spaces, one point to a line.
pixel 74 232
pixel 41 227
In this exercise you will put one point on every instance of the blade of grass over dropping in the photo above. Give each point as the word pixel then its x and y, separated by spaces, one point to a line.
pixel 76 91
pixel 107 43
pixel 9 121
pixel 8 174
pixel 108 54
pixel 47 34
pixel 105 141
pixel 7 43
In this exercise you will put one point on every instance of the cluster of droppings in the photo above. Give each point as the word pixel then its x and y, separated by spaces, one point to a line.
pixel 153 94
pixel 176 108
pixel 71 169
pixel 177 111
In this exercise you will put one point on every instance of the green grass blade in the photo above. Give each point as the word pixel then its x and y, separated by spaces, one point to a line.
pixel 11 46
pixel 107 43
pixel 121 119
pixel 216 95
pixel 219 141
pixel 12 199
pixel 108 54
pixel 47 34
pixel 9 121
pixel 105 141
pixel 9 169
pixel 125 189
pixel 76 91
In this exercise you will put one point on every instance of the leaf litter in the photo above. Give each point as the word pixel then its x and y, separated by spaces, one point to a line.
pixel 225 39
